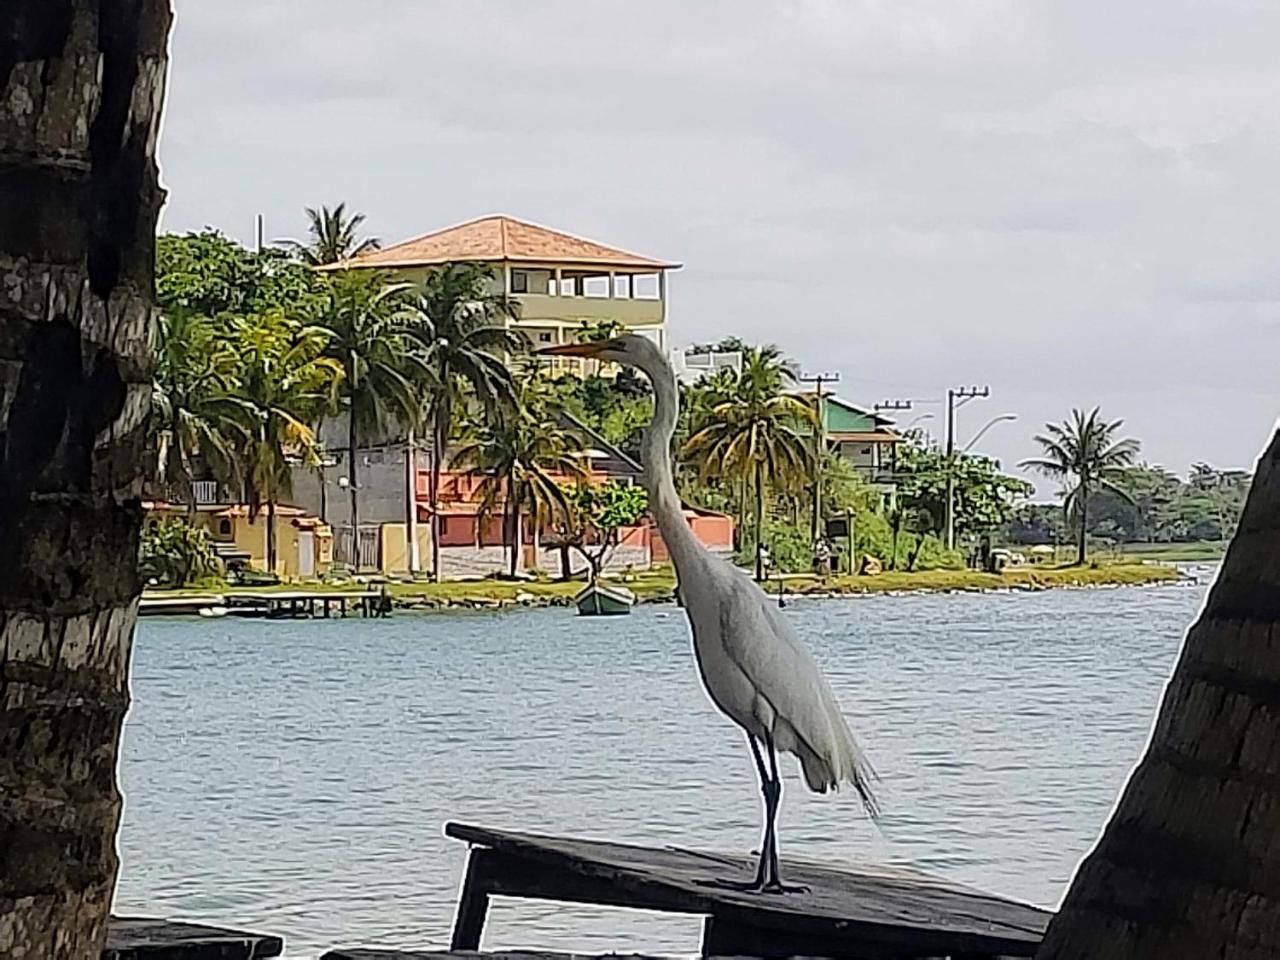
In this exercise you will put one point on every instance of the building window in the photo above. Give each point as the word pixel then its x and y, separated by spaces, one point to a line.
pixel 224 528
pixel 645 286
pixel 568 287
pixel 597 287
pixel 519 281
pixel 622 287
pixel 544 338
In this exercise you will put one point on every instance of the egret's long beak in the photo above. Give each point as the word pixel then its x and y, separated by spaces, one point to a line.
pixel 592 349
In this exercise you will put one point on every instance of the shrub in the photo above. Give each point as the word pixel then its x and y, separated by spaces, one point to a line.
pixel 173 553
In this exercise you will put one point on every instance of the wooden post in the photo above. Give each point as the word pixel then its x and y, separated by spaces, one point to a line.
pixel 473 905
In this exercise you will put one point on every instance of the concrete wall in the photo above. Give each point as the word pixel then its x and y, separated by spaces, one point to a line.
pixel 381 477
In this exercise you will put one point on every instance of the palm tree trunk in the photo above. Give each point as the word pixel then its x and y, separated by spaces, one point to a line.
pixel 271 535
pixel 1186 865
pixel 353 484
pixel 439 438
pixel 1082 545
pixel 759 518
pixel 79 192
pixel 512 507
pixel 414 561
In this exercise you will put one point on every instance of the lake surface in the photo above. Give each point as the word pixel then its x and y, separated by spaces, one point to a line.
pixel 294 777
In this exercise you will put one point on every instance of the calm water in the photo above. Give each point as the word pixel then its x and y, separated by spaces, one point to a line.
pixel 295 777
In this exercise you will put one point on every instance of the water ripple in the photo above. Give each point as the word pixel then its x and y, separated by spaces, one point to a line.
pixel 294 777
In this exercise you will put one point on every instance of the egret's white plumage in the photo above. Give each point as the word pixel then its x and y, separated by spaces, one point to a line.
pixel 753 665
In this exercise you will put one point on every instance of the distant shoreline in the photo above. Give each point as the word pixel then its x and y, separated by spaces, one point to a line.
pixel 659 586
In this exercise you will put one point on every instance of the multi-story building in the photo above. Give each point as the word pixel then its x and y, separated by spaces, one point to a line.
pixel 560 281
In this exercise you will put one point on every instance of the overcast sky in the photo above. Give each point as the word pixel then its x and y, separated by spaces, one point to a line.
pixel 1074 202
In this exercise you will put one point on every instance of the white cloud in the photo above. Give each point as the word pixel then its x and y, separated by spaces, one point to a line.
pixel 1071 201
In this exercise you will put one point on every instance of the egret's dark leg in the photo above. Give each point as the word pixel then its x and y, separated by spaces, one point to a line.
pixel 773 800
pixel 768 790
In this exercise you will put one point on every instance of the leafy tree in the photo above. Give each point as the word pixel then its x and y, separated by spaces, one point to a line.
pixel 753 438
pixel 985 498
pixel 210 275
pixel 617 408
pixel 462 325
pixel 1084 453
pixel 287 383
pixel 370 336
pixel 597 511
pixel 521 458
pixel 335 237
pixel 174 553
pixel 195 408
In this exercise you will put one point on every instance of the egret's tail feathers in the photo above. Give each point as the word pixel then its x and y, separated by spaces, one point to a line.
pixel 846 763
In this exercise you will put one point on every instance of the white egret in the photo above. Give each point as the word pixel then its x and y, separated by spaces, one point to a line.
pixel 754 666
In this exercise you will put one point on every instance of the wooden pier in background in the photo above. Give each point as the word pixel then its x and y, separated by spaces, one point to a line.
pixel 863 911
pixel 272 604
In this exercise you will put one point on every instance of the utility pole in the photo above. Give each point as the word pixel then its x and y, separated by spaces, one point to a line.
pixel 819 447
pixel 956 398
pixel 259 232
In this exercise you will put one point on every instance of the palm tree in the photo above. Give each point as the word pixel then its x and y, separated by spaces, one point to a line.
pixel 1084 450
pixel 195 408
pixel 1185 866
pixel 369 336
pixel 462 324
pixel 334 237
pixel 76 317
pixel 754 437
pixel 287 382
pixel 522 458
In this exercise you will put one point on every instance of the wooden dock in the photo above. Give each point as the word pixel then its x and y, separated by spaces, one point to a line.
pixel 855 911
pixel 139 938
pixel 272 604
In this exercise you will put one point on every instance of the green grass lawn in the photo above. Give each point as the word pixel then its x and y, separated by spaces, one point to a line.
pixel 660 584
pixel 1174 552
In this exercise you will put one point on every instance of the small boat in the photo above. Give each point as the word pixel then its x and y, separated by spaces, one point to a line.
pixel 597 600
pixel 213 612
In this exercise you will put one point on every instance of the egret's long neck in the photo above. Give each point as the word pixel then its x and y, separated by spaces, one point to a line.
pixel 655 454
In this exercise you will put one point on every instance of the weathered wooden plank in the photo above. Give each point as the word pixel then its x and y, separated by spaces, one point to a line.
pixel 872 911
pixel 378 953
pixel 141 938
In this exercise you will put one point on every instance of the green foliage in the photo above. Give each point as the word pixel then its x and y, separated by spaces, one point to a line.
pixel 1085 455
pixel 1156 507
pixel 173 553
pixel 596 513
pixel 520 458
pixel 466 344
pixel 985 498
pixel 196 412
pixel 617 408
pixel 210 275
pixel 335 237
pixel 753 437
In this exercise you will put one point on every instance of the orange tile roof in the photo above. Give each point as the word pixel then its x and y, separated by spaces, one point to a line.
pixel 498 239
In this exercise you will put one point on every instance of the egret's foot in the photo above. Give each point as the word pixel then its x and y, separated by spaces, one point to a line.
pixel 742 886
pixel 779 887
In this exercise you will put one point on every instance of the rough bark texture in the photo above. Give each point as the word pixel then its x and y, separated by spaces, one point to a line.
pixel 81 84
pixel 1189 866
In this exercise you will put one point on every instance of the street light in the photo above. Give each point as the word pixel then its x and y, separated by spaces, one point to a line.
pixel 987 426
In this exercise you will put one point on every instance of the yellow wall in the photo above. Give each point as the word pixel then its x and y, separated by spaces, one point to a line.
pixel 535 307
pixel 252 539
pixel 395 556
